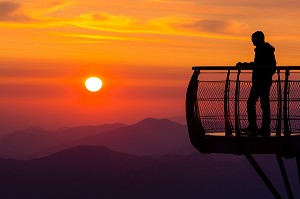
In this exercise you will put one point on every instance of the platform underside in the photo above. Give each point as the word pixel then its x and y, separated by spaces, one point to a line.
pixel 216 143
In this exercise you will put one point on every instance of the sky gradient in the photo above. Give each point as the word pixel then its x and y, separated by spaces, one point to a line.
pixel 143 51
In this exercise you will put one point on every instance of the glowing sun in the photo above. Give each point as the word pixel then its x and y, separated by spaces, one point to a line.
pixel 93 84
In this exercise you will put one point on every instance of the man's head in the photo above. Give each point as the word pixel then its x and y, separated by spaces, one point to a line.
pixel 258 38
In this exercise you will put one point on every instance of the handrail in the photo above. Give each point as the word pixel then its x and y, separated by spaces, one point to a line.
pixel 283 99
pixel 243 67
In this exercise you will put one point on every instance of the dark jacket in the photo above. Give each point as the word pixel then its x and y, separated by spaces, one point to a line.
pixel 264 58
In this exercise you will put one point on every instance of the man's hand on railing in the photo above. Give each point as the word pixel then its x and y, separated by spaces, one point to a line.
pixel 244 64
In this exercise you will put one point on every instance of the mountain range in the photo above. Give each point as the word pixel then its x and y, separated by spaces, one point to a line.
pixel 150 136
pixel 97 172
pixel 150 159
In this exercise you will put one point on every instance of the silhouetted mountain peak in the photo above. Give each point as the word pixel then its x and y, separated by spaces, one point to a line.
pixel 32 129
pixel 82 151
pixel 85 149
pixel 148 137
pixel 112 124
pixel 97 172
pixel 150 122
pixel 27 133
pixel 103 127
pixel 85 155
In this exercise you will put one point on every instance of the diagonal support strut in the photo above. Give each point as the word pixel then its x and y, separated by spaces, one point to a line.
pixel 285 177
pixel 298 166
pixel 263 176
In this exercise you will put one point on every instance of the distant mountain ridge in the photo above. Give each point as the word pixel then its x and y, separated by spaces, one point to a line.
pixel 97 172
pixel 150 136
pixel 23 143
pixel 142 160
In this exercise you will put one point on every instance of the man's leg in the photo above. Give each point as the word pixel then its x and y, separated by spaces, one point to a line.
pixel 265 106
pixel 251 107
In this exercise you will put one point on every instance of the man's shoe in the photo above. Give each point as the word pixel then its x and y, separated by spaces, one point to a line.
pixel 251 131
pixel 266 132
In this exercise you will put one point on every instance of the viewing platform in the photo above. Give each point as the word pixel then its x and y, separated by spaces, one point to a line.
pixel 216 111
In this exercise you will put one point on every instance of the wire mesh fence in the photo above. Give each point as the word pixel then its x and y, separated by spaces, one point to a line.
pixel 211 96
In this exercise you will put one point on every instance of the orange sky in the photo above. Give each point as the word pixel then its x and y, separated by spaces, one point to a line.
pixel 143 51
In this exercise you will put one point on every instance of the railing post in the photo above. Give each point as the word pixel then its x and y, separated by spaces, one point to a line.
pixel 195 128
pixel 236 104
pixel 286 104
pixel 279 105
pixel 228 125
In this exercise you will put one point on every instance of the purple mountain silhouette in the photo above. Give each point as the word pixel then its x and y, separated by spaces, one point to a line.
pixel 97 172
pixel 24 143
pixel 154 137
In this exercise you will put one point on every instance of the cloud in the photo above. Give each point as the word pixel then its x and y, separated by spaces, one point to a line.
pixel 253 3
pixel 10 11
pixel 104 20
pixel 214 26
pixel 210 25
pixel 50 7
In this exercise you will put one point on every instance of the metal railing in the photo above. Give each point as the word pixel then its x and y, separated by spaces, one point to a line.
pixel 217 95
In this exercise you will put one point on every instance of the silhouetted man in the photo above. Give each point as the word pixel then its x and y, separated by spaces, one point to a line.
pixel 263 70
